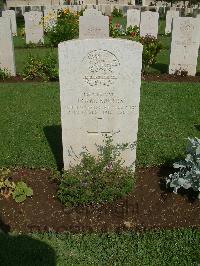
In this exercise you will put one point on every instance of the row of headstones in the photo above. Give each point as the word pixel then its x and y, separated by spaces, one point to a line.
pixel 184 45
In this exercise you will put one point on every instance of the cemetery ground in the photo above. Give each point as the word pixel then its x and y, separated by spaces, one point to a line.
pixel 150 226
pixel 104 233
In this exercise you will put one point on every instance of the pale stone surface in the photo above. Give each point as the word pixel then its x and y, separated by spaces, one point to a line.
pixel 171 14
pixel 11 15
pixel 184 45
pixel 133 17
pixel 34 27
pixel 93 26
pixel 149 23
pixel 7 59
pixel 99 92
pixel 91 12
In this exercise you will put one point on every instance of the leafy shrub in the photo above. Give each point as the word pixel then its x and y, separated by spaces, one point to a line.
pixel 66 28
pixel 133 32
pixel 117 13
pixel 151 48
pixel 96 180
pixel 188 175
pixel 4 74
pixel 116 30
pixel 41 68
pixel 21 192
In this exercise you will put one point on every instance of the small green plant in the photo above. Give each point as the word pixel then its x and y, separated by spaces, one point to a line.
pixel 96 180
pixel 117 13
pixel 21 192
pixel 188 175
pixel 151 48
pixel 4 74
pixel 41 68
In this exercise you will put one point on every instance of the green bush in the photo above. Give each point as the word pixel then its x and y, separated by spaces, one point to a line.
pixel 133 32
pixel 66 28
pixel 117 13
pixel 188 175
pixel 21 192
pixel 4 74
pixel 151 48
pixel 96 180
pixel 41 68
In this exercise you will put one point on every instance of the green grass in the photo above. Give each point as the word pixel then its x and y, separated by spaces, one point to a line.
pixel 30 123
pixel 162 248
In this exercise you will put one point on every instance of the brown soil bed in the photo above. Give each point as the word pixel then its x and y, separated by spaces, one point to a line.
pixel 148 77
pixel 170 78
pixel 148 206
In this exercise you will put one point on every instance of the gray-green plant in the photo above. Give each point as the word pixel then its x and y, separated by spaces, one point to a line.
pixel 4 74
pixel 188 175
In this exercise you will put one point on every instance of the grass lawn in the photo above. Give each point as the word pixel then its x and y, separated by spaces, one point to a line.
pixel 180 247
pixel 30 130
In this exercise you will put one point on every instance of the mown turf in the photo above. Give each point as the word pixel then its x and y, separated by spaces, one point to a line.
pixel 30 123
pixel 179 247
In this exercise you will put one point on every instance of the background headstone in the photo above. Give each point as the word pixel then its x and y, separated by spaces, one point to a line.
pixel 7 59
pixel 184 46
pixel 34 27
pixel 12 16
pixel 133 17
pixel 149 23
pixel 93 26
pixel 100 96
pixel 171 14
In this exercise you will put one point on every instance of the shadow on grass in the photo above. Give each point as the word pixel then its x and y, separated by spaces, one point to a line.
pixel 162 68
pixel 23 250
pixel 54 137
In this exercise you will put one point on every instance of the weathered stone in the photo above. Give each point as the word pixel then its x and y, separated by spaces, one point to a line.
pixel 34 27
pixel 93 26
pixel 149 24
pixel 184 46
pixel 7 59
pixel 100 92
pixel 133 17
pixel 171 14
pixel 12 16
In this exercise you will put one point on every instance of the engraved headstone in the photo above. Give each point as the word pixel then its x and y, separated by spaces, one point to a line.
pixel 171 14
pixel 7 59
pixel 184 46
pixel 12 16
pixel 149 24
pixel 133 17
pixel 93 26
pixel 100 96
pixel 34 27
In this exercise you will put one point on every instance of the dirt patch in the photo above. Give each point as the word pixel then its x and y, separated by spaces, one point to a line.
pixel 148 206
pixel 170 78
pixel 147 77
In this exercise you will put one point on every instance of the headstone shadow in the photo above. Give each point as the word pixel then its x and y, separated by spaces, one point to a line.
pixel 54 136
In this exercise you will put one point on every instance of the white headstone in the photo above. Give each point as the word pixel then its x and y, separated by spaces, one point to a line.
pixel 133 17
pixel 149 24
pixel 7 59
pixel 171 14
pixel 100 93
pixel 12 16
pixel 184 46
pixel 93 26
pixel 34 27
